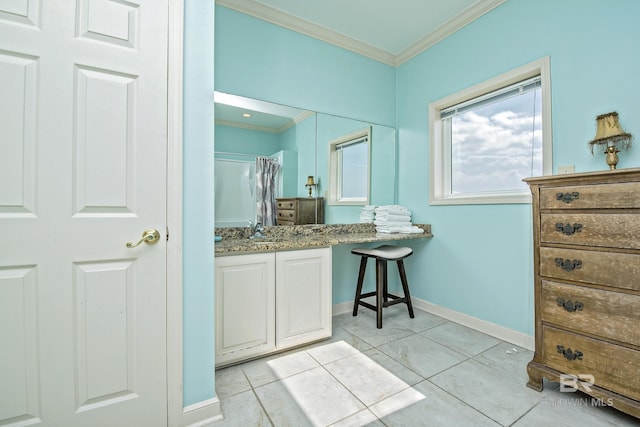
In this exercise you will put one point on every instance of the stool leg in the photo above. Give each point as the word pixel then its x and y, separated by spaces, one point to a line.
pixel 405 287
pixel 385 287
pixel 363 266
pixel 381 275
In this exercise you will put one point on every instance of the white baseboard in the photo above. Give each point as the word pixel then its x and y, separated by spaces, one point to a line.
pixel 497 331
pixel 342 308
pixel 202 414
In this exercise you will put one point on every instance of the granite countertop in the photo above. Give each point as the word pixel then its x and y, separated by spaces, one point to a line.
pixel 235 240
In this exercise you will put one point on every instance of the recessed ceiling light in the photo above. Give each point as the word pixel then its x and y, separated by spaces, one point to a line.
pixel 247 115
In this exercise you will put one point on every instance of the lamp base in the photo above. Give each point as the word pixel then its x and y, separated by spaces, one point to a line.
pixel 612 157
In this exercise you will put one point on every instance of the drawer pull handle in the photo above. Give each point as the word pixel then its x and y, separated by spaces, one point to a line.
pixel 568 197
pixel 570 306
pixel 568 265
pixel 569 354
pixel 568 229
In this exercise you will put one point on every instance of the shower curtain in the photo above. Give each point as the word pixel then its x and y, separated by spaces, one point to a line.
pixel 266 178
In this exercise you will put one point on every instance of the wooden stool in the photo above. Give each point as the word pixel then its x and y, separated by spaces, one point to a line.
pixel 382 254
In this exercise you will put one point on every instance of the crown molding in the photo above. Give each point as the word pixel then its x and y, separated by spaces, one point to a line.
pixel 277 17
pixel 459 21
pixel 282 19
pixel 246 126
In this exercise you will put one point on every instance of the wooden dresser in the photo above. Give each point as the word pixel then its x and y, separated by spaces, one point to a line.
pixel 587 284
pixel 300 210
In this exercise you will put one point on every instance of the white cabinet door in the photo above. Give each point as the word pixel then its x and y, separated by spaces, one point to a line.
pixel 303 296
pixel 245 306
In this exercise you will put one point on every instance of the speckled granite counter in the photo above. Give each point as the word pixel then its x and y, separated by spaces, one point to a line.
pixel 235 240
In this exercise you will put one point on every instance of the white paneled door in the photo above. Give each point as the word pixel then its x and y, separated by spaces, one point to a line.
pixel 83 119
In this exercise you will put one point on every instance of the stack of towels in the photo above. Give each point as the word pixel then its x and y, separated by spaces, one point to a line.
pixel 394 219
pixel 367 214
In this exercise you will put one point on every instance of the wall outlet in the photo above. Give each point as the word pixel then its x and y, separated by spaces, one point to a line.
pixel 566 169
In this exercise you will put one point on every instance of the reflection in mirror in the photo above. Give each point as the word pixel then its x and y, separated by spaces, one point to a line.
pixel 382 163
pixel 248 132
pixel 300 141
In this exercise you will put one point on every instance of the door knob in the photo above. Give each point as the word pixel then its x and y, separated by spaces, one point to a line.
pixel 150 237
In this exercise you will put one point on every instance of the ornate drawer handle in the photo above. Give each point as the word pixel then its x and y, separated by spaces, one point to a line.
pixel 568 265
pixel 568 197
pixel 570 306
pixel 569 354
pixel 568 229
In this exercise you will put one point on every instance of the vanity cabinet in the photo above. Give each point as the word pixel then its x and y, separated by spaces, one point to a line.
pixel 270 302
pixel 300 210
pixel 587 293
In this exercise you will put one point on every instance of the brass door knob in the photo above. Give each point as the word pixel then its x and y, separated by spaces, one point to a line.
pixel 150 237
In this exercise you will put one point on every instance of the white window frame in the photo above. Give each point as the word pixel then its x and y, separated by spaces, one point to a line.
pixel 440 150
pixel 335 178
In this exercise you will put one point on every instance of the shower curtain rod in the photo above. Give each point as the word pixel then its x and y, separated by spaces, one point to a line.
pixel 226 153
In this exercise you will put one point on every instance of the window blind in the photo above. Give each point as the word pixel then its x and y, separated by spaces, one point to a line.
pixel 344 145
pixel 515 89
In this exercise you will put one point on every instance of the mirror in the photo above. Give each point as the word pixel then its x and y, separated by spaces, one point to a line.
pixel 298 140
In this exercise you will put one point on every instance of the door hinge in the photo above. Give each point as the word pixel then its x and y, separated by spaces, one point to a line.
pixel 167 234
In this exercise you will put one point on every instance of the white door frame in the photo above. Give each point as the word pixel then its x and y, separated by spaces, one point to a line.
pixel 174 214
pixel 208 410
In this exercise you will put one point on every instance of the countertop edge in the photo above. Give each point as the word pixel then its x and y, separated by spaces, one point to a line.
pixel 240 246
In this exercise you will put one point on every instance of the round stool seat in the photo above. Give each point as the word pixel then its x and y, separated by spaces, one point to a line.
pixel 388 252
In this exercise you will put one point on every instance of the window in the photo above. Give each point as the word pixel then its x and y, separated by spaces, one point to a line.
pixel 349 169
pixel 486 139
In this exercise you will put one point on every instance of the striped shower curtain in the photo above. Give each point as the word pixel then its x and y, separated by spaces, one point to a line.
pixel 266 174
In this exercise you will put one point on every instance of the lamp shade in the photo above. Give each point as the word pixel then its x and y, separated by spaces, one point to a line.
pixel 310 181
pixel 609 129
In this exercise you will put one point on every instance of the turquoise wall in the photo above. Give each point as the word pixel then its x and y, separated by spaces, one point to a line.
pixel 245 141
pixel 263 61
pixel 479 261
pixel 198 203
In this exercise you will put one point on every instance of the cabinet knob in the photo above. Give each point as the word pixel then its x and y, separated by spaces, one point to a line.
pixel 568 197
pixel 569 354
pixel 568 229
pixel 570 306
pixel 568 265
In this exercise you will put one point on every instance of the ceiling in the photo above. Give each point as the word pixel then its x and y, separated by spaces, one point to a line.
pixel 389 31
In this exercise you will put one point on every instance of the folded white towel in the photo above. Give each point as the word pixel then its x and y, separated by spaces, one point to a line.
pixel 393 212
pixel 393 217
pixel 391 208
pixel 392 223
pixel 399 230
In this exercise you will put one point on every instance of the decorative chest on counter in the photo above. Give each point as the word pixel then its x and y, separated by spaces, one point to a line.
pixel 300 210
pixel 586 235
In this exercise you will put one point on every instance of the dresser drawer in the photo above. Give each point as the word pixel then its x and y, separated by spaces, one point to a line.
pixel 611 196
pixel 613 367
pixel 591 267
pixel 595 311
pixel 286 204
pixel 602 230
pixel 286 215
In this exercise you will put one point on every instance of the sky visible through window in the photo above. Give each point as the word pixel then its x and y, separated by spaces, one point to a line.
pixel 354 171
pixel 493 147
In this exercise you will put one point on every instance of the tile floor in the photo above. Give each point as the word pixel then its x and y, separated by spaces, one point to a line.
pixel 424 371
